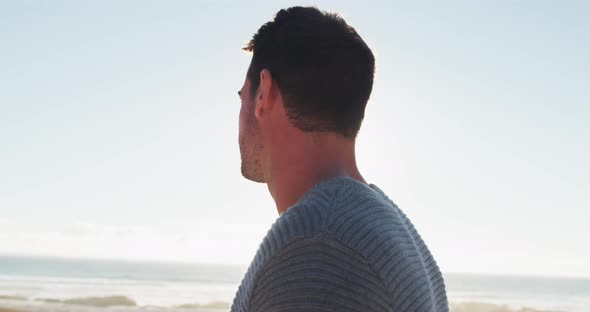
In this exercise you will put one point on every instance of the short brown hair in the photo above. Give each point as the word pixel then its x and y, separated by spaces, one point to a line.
pixel 322 66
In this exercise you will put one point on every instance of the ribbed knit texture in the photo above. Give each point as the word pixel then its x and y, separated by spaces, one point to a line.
pixel 344 246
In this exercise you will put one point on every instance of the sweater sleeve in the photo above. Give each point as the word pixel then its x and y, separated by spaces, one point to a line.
pixel 318 274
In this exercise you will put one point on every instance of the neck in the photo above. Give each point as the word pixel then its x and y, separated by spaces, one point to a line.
pixel 296 168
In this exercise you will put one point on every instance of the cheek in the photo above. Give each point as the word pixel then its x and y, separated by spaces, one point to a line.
pixel 241 121
pixel 245 127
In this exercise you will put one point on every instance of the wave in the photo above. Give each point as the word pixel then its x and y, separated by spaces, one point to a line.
pixel 489 307
pixel 115 301
pixel 19 304
pixel 210 305
pixel 103 302
pixel 19 298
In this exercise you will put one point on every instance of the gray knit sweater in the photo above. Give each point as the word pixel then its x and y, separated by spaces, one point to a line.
pixel 344 246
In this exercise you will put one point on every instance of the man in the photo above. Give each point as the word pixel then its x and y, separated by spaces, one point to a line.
pixel 340 244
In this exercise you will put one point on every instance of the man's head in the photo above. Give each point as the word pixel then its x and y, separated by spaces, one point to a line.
pixel 317 67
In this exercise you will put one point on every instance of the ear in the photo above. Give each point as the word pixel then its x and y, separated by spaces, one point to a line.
pixel 263 96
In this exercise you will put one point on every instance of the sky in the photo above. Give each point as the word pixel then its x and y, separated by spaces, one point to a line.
pixel 119 129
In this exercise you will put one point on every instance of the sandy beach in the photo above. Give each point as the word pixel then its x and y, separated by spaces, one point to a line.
pixel 10 310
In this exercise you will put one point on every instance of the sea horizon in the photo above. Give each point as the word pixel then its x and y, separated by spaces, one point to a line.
pixel 244 265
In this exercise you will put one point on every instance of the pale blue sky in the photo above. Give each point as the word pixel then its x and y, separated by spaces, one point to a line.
pixel 118 129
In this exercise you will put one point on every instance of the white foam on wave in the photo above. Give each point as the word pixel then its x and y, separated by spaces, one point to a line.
pixel 86 291
pixel 109 304
pixel 105 301
pixel 490 307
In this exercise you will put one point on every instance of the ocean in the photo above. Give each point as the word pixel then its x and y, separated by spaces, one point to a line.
pixel 71 285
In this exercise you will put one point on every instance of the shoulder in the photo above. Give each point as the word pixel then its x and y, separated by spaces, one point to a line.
pixel 318 273
pixel 367 221
pixel 350 211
